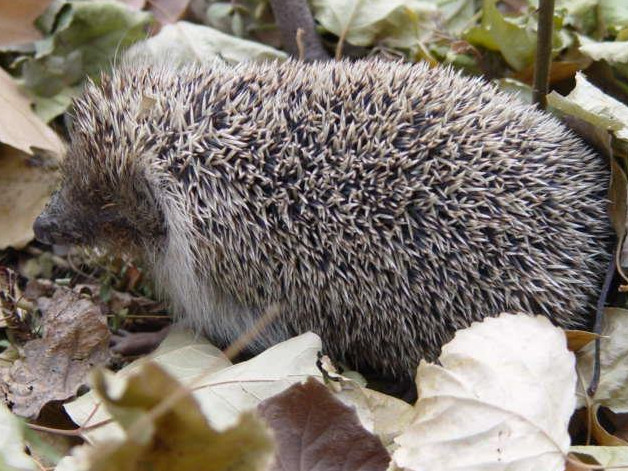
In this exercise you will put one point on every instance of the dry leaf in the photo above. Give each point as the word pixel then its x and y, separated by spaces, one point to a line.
pixel 24 191
pixel 612 391
pixel 17 18
pixel 226 390
pixel 134 4
pixel 501 400
pixel 578 339
pixel 12 454
pixel 384 415
pixel 52 368
pixel 178 437
pixel 616 456
pixel 315 431
pixel 602 436
pixel 20 127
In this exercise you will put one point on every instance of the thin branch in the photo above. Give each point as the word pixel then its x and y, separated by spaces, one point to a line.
pixel 543 53
pixel 597 328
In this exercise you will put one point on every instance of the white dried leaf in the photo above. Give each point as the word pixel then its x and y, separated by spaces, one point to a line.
pixel 501 400
pixel 12 454
pixel 227 389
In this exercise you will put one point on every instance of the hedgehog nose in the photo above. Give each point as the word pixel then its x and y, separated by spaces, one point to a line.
pixel 44 227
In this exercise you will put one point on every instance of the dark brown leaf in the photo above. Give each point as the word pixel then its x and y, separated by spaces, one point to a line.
pixel 314 431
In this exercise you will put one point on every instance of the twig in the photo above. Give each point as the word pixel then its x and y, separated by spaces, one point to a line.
pixel 543 53
pixel 597 328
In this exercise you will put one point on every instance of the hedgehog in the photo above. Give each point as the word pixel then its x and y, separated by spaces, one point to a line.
pixel 379 204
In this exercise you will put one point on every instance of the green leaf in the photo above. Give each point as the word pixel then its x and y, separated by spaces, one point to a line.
pixel 187 42
pixel 359 22
pixel 456 15
pixel 514 37
pixel 85 39
pixel 580 14
pixel 48 108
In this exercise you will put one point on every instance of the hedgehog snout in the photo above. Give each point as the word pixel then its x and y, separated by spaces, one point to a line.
pixel 52 227
pixel 44 228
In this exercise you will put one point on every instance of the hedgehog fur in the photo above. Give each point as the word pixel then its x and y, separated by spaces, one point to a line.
pixel 381 205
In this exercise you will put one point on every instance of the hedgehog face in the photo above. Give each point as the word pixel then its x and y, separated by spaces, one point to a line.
pixel 99 207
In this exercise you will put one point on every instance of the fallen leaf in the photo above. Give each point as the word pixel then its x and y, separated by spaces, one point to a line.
pixel 163 438
pixel 135 4
pixel 612 390
pixel 226 390
pixel 25 188
pixel 357 21
pixel 577 339
pixel 315 431
pixel 14 317
pixel 610 51
pixel 591 104
pixel 616 456
pixel 456 15
pixel 185 42
pixel 501 400
pixel 241 387
pixel 17 21
pixel 559 70
pixel 75 339
pixel 12 454
pixel 598 432
pixel 83 39
pixel 614 13
pixel 19 126
pixel 513 36
pixel 383 415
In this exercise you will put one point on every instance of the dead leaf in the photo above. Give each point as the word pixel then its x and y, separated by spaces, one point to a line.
pixel 577 461
pixel 14 316
pixel 314 430
pixel 501 400
pixel 17 21
pixel 12 454
pixel 226 390
pixel 620 424
pixel 602 436
pixel 178 437
pixel 577 339
pixel 24 192
pixel 559 70
pixel 75 339
pixel 607 456
pixel 384 415
pixel 612 390
pixel 20 127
